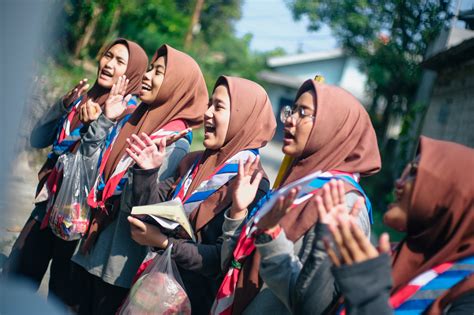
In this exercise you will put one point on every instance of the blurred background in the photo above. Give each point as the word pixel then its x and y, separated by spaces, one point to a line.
pixel 410 63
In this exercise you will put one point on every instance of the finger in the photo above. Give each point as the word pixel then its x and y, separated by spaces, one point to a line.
pixel 247 164
pixel 384 244
pixel 334 192
pixel 138 141
pixel 327 199
pixel 322 212
pixel 256 178
pixel 147 140
pixel 291 198
pixel 255 164
pixel 337 236
pixel 241 172
pixel 127 98
pixel 331 253
pixel 124 85
pixel 132 155
pixel 341 191
pixel 83 89
pixel 351 244
pixel 113 89
pixel 84 113
pixel 356 207
pixel 162 146
pixel 137 223
pixel 133 146
pixel 362 240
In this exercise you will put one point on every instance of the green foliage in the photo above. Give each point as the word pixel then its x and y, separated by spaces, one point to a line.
pixel 390 37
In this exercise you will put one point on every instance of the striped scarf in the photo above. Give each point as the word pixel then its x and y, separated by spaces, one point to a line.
pixel 67 140
pixel 422 291
pixel 216 180
pixel 102 189
pixel 224 300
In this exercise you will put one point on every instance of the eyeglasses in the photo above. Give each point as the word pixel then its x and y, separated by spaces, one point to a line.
pixel 289 112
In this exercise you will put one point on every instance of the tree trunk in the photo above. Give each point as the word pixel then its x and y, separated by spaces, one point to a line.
pixel 194 21
pixel 110 32
pixel 89 30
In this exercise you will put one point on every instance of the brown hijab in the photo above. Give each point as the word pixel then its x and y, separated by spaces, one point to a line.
pixel 252 124
pixel 343 139
pixel 136 67
pixel 440 225
pixel 183 95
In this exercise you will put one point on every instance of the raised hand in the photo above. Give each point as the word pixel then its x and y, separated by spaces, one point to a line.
pixel 175 137
pixel 352 244
pixel 76 92
pixel 147 153
pixel 332 202
pixel 282 206
pixel 146 234
pixel 116 103
pixel 89 111
pixel 244 187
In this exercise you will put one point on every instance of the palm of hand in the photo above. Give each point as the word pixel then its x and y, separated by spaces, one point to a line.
pixel 114 106
pixel 244 191
pixel 150 158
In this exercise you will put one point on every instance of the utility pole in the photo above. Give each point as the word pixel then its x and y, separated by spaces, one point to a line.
pixel 194 22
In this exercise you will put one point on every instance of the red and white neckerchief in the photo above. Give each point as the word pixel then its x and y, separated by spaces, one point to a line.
pixel 124 164
pixel 221 175
pixel 224 300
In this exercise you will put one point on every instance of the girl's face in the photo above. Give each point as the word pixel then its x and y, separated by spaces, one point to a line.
pixel 298 122
pixel 396 216
pixel 152 80
pixel 112 65
pixel 217 118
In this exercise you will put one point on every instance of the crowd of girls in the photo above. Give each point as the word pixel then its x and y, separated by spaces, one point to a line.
pixel 300 245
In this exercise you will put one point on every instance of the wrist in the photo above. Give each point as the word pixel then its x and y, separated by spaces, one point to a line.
pixel 267 235
pixel 236 214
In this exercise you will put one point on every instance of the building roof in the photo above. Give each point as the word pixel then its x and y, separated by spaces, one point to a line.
pixel 280 79
pixel 452 56
pixel 305 57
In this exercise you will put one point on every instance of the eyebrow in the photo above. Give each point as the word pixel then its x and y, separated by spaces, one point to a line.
pixel 303 106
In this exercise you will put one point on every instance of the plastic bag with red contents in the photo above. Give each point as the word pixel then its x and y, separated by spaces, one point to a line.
pixel 159 290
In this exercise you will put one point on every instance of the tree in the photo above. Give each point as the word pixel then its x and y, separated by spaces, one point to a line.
pixel 389 36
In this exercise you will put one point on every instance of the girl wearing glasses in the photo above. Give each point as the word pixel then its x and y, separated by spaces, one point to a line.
pixel 327 131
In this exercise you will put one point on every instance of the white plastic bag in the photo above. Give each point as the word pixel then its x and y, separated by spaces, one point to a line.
pixel 158 291
pixel 70 214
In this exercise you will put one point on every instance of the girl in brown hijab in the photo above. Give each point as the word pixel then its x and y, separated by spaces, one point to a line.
pixel 174 98
pixel 433 267
pixel 327 130
pixel 63 126
pixel 238 122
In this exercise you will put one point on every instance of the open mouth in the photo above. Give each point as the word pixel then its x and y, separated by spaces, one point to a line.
pixel 146 87
pixel 288 135
pixel 106 73
pixel 209 128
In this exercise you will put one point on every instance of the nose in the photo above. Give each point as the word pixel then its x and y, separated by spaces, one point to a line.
pixel 209 112
pixel 147 76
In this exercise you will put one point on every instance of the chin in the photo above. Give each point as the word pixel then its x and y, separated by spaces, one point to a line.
pixel 288 150
pixel 105 83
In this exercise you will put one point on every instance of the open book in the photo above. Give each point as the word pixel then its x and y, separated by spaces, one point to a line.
pixel 169 216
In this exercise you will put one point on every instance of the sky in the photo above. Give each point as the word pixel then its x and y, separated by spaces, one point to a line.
pixel 271 23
